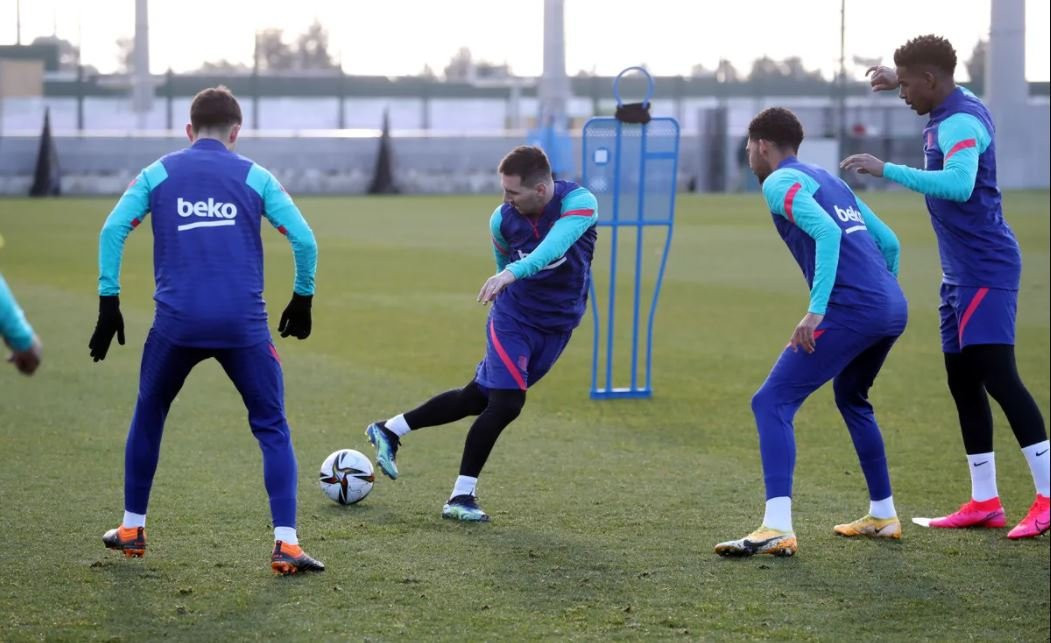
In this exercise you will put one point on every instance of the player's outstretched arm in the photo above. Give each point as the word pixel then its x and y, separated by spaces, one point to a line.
pixel 961 138
pixel 17 333
pixel 882 78
pixel 129 212
pixel 885 239
pixel 579 213
pixel 283 214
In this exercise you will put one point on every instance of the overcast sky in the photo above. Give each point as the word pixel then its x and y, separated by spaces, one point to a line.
pixel 396 37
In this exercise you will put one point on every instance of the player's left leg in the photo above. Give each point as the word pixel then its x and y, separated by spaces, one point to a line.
pixel 443 408
pixel 851 389
pixel 162 373
pixel 256 372
pixel 793 378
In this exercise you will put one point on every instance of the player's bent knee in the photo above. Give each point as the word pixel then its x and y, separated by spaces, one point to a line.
pixel 763 400
pixel 506 403
pixel 472 399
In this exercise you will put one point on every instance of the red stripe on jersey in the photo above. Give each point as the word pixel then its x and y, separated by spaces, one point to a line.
pixel 504 250
pixel 283 230
pixel 135 223
pixel 790 198
pixel 587 212
pixel 962 145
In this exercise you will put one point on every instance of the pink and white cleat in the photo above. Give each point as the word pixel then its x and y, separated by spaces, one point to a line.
pixel 1035 522
pixel 985 513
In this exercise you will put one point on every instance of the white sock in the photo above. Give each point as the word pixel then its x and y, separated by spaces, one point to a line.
pixel 465 485
pixel 882 509
pixel 397 425
pixel 286 535
pixel 983 476
pixel 133 520
pixel 1040 466
pixel 779 513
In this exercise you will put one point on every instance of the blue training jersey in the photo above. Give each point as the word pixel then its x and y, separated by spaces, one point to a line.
pixel 550 257
pixel 207 204
pixel 977 247
pixel 848 256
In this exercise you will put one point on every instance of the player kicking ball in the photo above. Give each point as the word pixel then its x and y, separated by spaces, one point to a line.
pixel 543 239
pixel 207 204
pixel 981 272
pixel 856 313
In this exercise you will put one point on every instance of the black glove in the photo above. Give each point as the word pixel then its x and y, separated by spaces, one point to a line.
pixel 110 322
pixel 295 321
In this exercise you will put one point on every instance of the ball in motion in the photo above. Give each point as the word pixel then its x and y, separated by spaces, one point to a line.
pixel 347 476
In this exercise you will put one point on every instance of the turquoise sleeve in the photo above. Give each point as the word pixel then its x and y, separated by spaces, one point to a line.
pixel 579 212
pixel 789 193
pixel 14 328
pixel 129 212
pixel 283 214
pixel 501 251
pixel 885 239
pixel 961 138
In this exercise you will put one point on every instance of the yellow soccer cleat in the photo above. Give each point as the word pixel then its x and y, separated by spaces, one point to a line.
pixel 871 527
pixel 764 540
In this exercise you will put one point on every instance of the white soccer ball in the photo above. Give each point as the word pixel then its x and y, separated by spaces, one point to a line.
pixel 347 476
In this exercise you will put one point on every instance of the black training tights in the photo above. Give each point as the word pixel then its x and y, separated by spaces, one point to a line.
pixel 991 368
pixel 495 410
pixel 449 406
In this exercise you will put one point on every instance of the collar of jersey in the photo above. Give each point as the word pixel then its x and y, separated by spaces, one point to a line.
pixel 947 104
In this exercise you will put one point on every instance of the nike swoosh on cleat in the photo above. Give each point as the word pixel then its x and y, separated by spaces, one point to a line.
pixel 1040 453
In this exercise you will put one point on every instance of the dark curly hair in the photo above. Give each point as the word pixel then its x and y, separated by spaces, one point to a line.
pixel 777 125
pixel 927 50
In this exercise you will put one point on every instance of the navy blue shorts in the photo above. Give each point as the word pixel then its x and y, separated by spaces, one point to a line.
pixel 976 316
pixel 516 355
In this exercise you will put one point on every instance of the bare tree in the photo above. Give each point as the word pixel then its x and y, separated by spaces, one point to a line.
pixel 976 64
pixel 312 49
pixel 461 66
pixel 125 55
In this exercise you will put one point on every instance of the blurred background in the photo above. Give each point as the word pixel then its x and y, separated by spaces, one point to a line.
pixel 425 97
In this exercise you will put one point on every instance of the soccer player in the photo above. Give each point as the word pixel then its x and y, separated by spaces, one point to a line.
pixel 17 333
pixel 207 204
pixel 981 270
pixel 856 312
pixel 543 239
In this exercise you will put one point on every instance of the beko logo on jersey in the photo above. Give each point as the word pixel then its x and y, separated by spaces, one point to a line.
pixel 848 215
pixel 551 266
pixel 222 213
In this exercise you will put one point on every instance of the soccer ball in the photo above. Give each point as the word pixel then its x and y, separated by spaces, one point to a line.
pixel 346 476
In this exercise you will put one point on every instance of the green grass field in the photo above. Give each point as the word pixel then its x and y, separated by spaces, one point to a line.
pixel 605 513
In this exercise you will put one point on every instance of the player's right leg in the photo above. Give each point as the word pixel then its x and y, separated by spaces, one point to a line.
pixel 997 364
pixel 851 389
pixel 162 373
pixel 502 375
pixel 967 386
pixel 444 408
pixel 256 372
pixel 793 378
